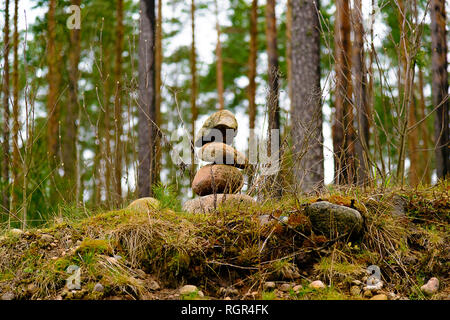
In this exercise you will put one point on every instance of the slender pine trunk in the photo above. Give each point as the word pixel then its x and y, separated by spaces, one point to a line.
pixel 118 150
pixel 69 149
pixel 15 131
pixel 272 97
pixel 6 114
pixel 440 87
pixel 343 130
pixel 147 95
pixel 360 94
pixel 158 83
pixel 219 61
pixel 194 112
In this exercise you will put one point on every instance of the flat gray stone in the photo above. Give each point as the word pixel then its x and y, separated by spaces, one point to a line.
pixel 221 153
pixel 206 204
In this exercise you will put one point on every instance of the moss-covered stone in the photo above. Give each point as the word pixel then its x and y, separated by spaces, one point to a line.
pixel 334 220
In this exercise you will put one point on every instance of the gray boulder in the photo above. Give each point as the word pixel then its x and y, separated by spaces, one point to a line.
pixel 333 220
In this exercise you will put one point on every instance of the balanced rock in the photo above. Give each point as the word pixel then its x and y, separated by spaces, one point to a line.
pixel 144 204
pixel 219 127
pixel 333 220
pixel 217 178
pixel 221 153
pixel 210 203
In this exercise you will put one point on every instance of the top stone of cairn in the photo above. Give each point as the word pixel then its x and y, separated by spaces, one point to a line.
pixel 219 127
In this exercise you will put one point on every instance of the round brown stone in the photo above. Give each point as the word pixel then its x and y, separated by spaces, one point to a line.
pixel 221 153
pixel 217 178
pixel 209 203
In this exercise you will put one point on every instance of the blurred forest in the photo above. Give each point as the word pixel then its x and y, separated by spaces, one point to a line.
pixel 75 137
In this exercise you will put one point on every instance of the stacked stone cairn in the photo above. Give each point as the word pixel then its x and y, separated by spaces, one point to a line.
pixel 221 180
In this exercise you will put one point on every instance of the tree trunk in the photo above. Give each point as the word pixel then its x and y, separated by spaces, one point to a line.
pixel 289 48
pixel 15 132
pixel 343 131
pixel 405 86
pixel 194 112
pixel 253 55
pixel 158 83
pixel 53 78
pixel 118 106
pixel 273 78
pixel 69 150
pixel 440 87
pixel 425 164
pixel 106 148
pixel 252 64
pixel 306 108
pixel 272 53
pixel 360 94
pixel 6 113
pixel 147 109
pixel 219 63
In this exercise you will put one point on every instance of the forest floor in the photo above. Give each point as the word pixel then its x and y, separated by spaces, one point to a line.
pixel 131 254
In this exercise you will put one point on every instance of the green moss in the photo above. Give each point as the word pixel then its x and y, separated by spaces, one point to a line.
pixel 268 295
pixel 89 246
pixel 191 296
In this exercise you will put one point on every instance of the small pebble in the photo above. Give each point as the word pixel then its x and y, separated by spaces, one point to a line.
pixel 188 289
pixel 153 285
pixel 285 287
pixel 8 296
pixel 431 287
pixel 317 285
pixel 99 288
pixel 16 232
pixel 47 238
pixel 269 285
pixel 297 288
pixel 379 297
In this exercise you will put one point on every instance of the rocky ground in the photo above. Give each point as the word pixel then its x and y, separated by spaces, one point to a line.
pixel 322 247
